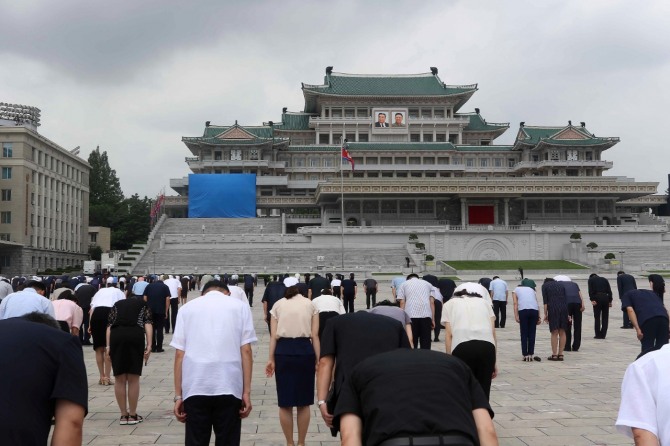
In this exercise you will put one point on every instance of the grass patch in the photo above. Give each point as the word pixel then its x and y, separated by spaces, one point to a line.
pixel 501 265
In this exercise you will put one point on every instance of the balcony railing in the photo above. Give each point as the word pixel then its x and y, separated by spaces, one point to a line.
pixel 563 163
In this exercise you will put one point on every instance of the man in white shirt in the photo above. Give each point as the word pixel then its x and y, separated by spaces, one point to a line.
pixel 416 299
pixel 645 399
pixel 30 299
pixel 236 291
pixel 499 292
pixel 175 290
pixel 213 364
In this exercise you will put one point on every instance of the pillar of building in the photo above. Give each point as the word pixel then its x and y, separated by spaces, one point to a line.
pixel 464 211
pixel 506 210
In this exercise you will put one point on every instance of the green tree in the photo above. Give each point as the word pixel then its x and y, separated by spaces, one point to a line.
pixel 132 224
pixel 106 194
pixel 95 252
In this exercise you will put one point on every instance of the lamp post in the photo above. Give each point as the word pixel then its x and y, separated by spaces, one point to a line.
pixel 622 253
pixel 154 254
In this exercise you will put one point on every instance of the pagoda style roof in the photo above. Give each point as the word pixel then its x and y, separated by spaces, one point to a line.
pixel 561 136
pixel 294 121
pixel 479 124
pixel 385 85
pixel 235 135
pixel 501 148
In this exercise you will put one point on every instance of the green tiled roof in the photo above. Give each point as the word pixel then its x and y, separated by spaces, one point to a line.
pixel 294 121
pixel 479 124
pixel 535 135
pixel 258 131
pixel 425 84
pixel 484 148
pixel 232 142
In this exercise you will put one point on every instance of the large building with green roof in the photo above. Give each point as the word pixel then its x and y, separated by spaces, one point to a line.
pixel 419 159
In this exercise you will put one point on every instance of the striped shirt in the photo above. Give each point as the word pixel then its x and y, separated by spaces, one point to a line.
pixel 416 294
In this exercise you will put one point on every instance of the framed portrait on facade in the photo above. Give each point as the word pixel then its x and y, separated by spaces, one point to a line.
pixel 389 121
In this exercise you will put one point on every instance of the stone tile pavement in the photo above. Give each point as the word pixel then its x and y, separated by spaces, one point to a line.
pixel 574 402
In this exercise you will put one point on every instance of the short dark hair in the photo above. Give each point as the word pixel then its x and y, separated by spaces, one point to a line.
pixel 67 294
pixel 413 275
pixel 620 273
pixel 36 284
pixel 381 114
pixel 387 303
pixel 41 318
pixel 464 292
pixel 291 291
pixel 327 291
pixel 399 114
pixel 495 277
pixel 214 284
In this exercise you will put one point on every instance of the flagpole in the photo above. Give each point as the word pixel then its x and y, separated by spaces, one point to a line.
pixel 342 208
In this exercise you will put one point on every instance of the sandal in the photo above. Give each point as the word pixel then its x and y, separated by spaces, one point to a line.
pixel 124 419
pixel 559 358
pixel 135 419
pixel 553 358
pixel 101 382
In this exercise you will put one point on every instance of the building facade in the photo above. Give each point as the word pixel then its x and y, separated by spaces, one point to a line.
pixel 45 198
pixel 419 159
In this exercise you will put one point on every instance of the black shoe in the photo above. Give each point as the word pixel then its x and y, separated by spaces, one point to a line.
pixel 567 349
pixel 153 349
pixel 575 349
pixel 159 350
pixel 436 340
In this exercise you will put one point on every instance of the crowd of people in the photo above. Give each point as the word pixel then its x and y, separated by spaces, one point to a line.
pixel 320 348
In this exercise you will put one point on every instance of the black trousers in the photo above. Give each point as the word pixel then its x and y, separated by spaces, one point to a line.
pixel 348 301
pixel 157 340
pixel 421 328
pixel 171 315
pixel 655 334
pixel 480 356
pixel 250 296
pixel 601 315
pixel 220 412
pixel 500 310
pixel 438 318
pixel 626 320
pixel 84 336
pixel 370 295
pixel 574 310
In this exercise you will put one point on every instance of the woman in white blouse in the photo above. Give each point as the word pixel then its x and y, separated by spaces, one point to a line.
pixel 470 331
pixel 294 350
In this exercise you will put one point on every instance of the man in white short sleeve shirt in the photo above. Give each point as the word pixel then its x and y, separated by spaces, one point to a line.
pixel 213 364
pixel 645 399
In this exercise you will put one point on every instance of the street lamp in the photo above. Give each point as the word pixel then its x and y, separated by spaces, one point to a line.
pixel 154 254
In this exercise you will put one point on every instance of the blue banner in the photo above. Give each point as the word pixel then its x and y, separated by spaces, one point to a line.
pixel 222 195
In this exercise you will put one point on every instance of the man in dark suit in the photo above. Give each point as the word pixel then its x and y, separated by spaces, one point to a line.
pixel 600 295
pixel 381 120
pixel 625 282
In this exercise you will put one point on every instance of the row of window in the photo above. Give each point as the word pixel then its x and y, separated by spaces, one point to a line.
pixel 338 138
pixel 57 166
pixel 365 112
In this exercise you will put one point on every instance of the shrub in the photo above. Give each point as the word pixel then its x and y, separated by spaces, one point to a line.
pixel 592 245
pixel 413 236
pixel 420 246
pixel 430 258
pixel 609 256
pixel 575 236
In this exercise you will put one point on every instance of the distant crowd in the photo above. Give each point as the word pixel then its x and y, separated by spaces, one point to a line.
pixel 360 366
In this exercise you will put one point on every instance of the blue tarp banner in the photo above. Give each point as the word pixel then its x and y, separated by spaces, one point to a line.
pixel 222 195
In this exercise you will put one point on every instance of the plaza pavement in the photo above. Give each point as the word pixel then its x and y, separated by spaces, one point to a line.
pixel 574 402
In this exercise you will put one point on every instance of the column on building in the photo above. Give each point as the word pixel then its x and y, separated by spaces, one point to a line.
pixel 506 210
pixel 464 211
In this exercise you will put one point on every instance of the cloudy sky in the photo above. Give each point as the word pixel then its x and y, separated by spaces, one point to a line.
pixel 135 76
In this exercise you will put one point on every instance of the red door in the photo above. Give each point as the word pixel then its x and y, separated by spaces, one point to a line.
pixel 481 215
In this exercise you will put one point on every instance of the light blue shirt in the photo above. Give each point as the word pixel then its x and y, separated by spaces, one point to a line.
pixel 24 302
pixel 139 287
pixel 396 282
pixel 499 288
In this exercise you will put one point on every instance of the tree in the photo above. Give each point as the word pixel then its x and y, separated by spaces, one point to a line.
pixel 105 191
pixel 132 225
pixel 95 252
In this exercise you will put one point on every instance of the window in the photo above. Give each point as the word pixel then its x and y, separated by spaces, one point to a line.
pixel 589 156
pixel 349 112
pixel 453 139
pixel 371 160
pixel 425 207
pixel 470 162
pixel 511 162
pixel 5 237
pixel 427 137
pixel 443 160
pixel 5 261
pixel 415 137
pixel 362 112
pixel 485 142
pixel 324 138
pixel 555 155
pixel 385 160
pixel 351 137
pixel 6 173
pixel 414 160
pixel 400 160
pixel 6 195
pixel 298 162
pixel 426 113
pixel 5 217
pixel 336 112
pixel 328 162
pixel 314 162
pixel 441 137
pixel 218 155
pixel 439 113
pixel 429 160
pixel 413 112
pixel 416 175
pixel 484 162
pixel 497 162
pixel 7 150
pixel 363 137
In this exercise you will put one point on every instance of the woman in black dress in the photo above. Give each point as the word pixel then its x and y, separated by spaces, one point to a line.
pixel 556 314
pixel 129 324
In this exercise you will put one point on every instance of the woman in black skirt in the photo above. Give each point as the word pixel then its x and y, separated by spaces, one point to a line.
pixel 101 305
pixel 294 349
pixel 129 323
pixel 556 315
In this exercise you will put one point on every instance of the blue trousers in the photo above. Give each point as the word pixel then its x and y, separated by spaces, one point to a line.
pixel 528 327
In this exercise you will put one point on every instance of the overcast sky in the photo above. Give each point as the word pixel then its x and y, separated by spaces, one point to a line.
pixel 135 76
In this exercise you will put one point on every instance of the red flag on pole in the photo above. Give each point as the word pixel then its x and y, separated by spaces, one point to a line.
pixel 345 154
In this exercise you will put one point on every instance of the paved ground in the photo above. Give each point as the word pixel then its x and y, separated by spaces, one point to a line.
pixel 574 402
